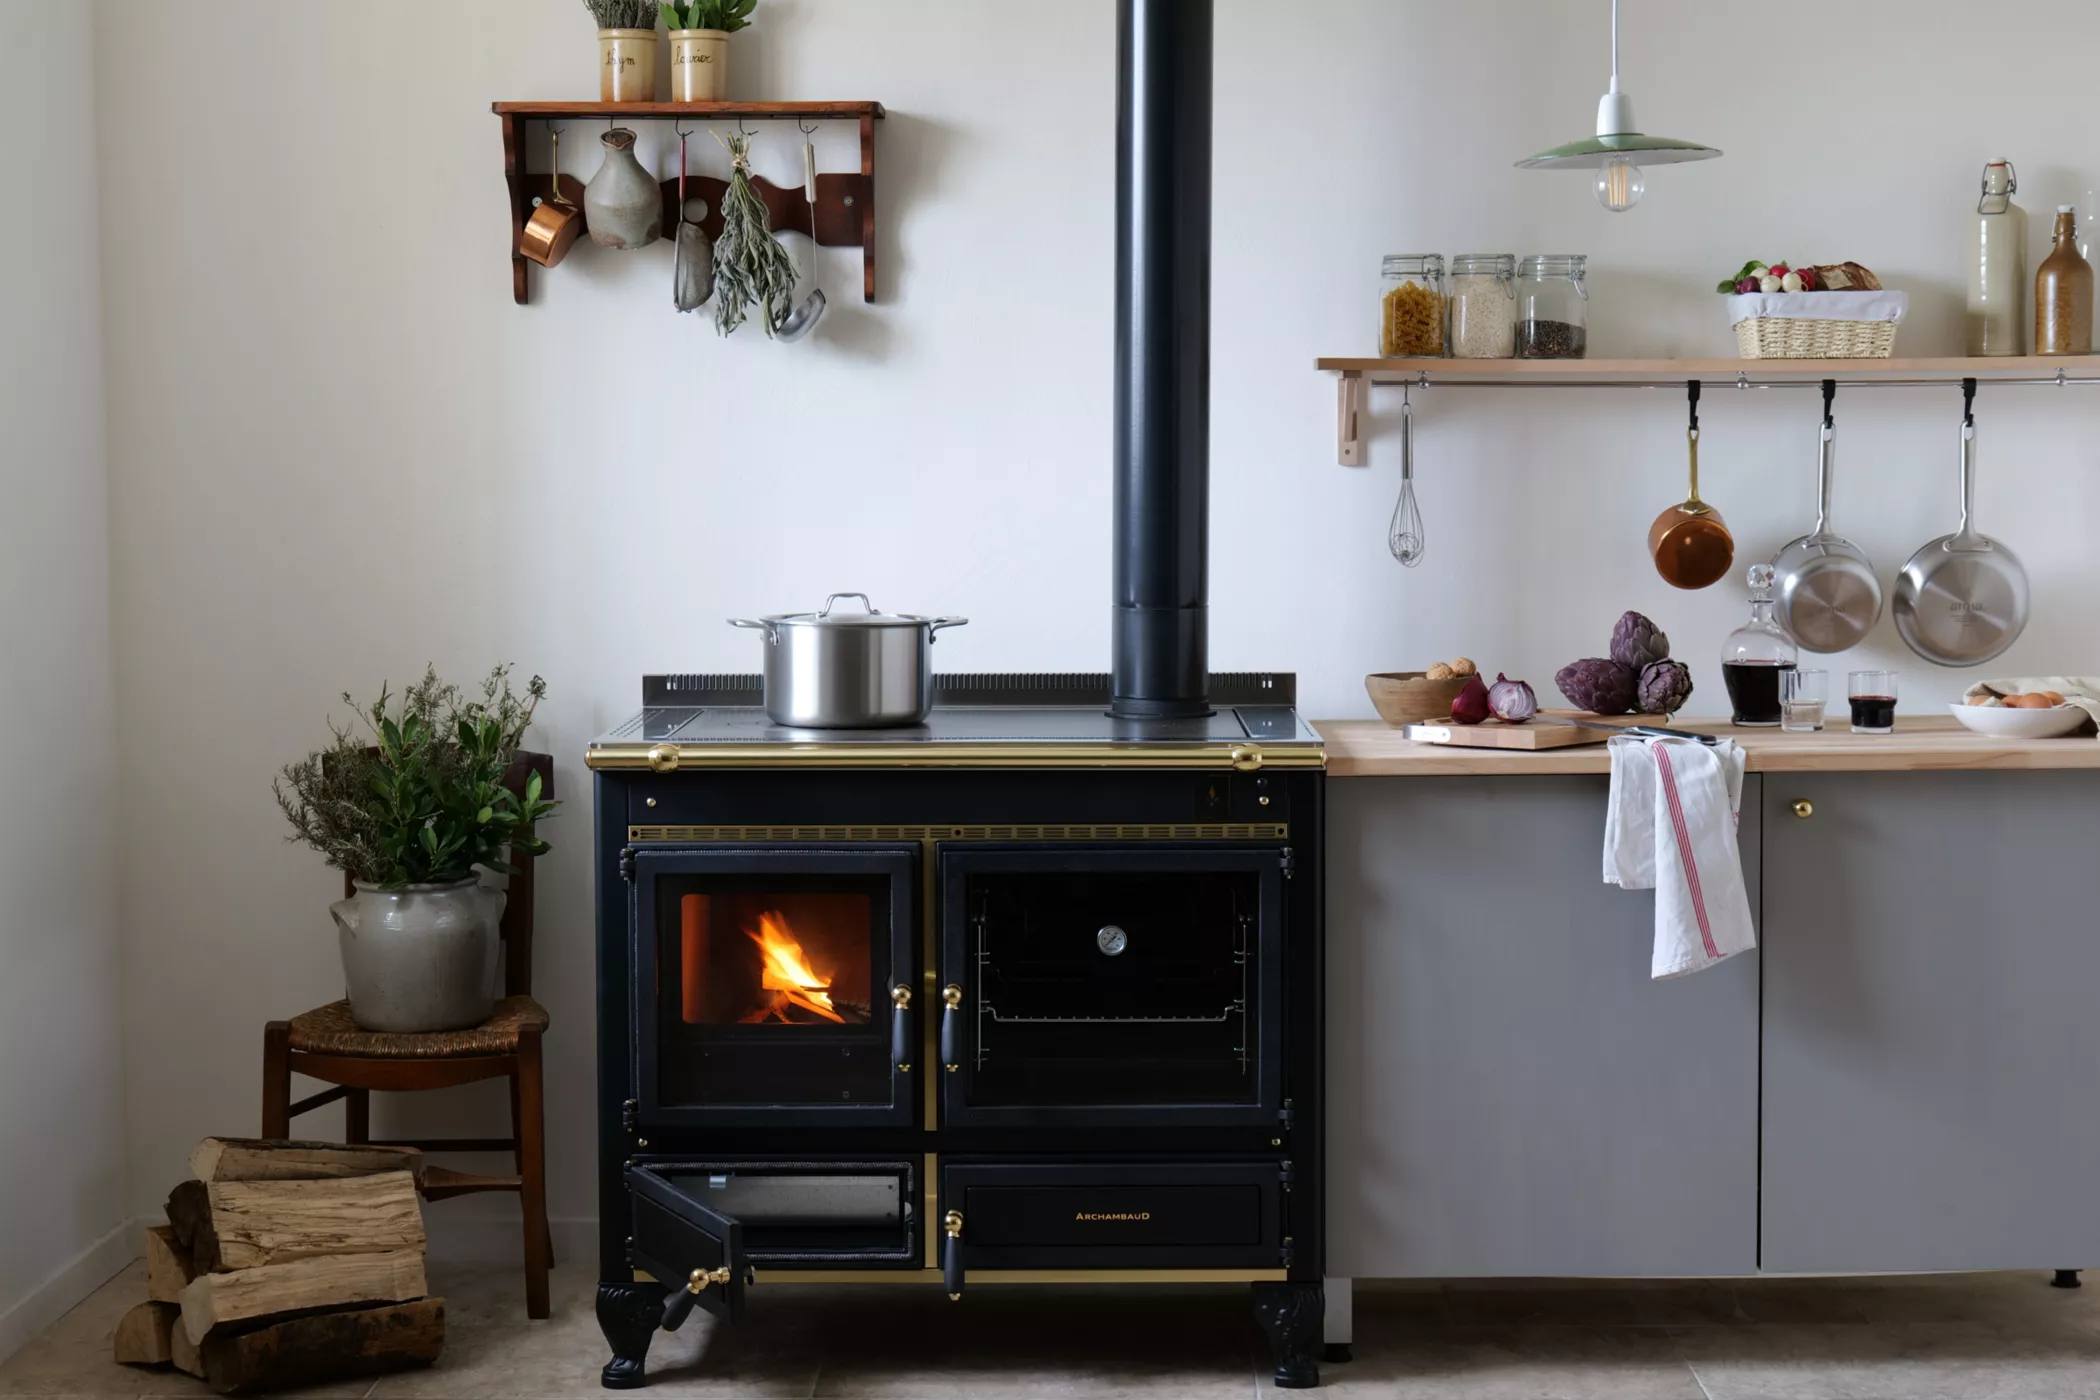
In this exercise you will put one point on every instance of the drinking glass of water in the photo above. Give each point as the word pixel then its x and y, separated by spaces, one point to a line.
pixel 1802 695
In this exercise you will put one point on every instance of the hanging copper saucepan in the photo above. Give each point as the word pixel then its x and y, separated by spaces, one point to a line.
pixel 1689 541
pixel 555 223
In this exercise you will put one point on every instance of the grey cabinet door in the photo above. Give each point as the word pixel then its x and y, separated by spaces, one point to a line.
pixel 1932 1048
pixel 1508 1090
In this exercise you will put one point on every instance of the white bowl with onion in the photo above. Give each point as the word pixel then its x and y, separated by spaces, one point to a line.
pixel 2008 722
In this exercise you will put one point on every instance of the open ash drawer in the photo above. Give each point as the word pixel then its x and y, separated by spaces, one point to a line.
pixel 1050 1214
pixel 709 1222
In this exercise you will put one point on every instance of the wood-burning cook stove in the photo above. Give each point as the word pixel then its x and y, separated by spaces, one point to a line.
pixel 1024 994
pixel 1028 993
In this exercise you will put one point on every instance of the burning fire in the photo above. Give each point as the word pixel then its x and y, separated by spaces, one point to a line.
pixel 787 973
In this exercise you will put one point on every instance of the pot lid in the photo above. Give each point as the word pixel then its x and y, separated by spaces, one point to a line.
pixel 866 615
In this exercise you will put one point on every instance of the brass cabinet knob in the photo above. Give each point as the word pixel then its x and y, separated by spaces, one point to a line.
pixel 701 1278
pixel 1803 808
pixel 663 758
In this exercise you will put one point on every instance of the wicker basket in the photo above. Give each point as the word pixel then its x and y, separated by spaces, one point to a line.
pixel 1789 338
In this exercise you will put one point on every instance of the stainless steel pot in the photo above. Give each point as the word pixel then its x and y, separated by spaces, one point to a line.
pixel 1829 598
pixel 848 670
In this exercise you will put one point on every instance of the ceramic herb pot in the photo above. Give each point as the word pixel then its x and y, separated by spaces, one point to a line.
pixel 626 65
pixel 699 65
pixel 623 205
pixel 421 957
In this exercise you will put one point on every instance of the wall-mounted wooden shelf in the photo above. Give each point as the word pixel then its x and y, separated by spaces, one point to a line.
pixel 843 216
pixel 1357 374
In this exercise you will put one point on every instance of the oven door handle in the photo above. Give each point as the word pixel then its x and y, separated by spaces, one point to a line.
pixel 951 1254
pixel 900 1029
pixel 951 1027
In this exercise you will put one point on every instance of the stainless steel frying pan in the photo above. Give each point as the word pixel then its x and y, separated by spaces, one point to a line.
pixel 1962 598
pixel 1829 598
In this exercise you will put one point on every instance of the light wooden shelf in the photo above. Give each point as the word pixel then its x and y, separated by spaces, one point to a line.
pixel 1355 374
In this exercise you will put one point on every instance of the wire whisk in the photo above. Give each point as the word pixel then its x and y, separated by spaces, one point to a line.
pixel 1404 535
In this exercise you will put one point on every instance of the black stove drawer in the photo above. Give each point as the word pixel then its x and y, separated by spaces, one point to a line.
pixel 1095 1215
pixel 830 1213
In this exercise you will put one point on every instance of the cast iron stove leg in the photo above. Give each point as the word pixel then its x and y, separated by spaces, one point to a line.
pixel 2066 1278
pixel 629 1314
pixel 1292 1314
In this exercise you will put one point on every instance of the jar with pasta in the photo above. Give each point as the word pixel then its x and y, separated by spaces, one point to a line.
pixel 1483 299
pixel 1411 307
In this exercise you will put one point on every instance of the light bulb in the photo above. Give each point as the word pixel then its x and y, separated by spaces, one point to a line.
pixel 1619 185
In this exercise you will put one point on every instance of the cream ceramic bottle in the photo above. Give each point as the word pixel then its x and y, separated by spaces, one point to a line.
pixel 1998 269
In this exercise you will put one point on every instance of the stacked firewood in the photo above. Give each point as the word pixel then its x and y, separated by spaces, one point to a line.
pixel 288 1263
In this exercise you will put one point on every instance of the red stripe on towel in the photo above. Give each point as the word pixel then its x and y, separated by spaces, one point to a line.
pixel 1684 846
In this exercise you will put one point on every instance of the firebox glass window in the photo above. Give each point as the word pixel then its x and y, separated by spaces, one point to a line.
pixel 1115 988
pixel 773 989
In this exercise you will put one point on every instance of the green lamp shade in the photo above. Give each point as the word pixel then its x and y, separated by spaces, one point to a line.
pixel 1593 152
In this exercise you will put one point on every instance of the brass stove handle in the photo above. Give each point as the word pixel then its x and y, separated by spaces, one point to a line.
pixel 951 1254
pixel 679 1305
pixel 662 758
pixel 1246 757
pixel 951 1030
pixel 900 1029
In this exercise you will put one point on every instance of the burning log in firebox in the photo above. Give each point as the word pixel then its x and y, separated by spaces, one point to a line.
pixel 786 973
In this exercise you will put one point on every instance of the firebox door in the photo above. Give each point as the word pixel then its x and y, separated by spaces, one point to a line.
pixel 1125 985
pixel 775 985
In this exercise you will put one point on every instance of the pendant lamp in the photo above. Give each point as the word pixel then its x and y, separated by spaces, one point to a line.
pixel 1612 152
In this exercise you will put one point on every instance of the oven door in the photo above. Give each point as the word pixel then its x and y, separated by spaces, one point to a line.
pixel 774 985
pixel 1091 985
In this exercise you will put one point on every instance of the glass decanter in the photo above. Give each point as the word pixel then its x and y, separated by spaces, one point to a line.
pixel 1755 656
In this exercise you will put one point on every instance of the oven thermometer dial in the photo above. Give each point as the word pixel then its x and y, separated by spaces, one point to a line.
pixel 1111 939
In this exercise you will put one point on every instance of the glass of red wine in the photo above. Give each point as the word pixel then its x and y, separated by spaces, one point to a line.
pixel 1873 701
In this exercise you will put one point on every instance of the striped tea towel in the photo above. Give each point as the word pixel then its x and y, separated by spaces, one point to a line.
pixel 1669 826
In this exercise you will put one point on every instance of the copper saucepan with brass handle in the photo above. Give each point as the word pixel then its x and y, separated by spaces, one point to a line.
pixel 555 222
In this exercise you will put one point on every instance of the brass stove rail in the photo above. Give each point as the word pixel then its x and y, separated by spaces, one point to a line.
pixel 667 757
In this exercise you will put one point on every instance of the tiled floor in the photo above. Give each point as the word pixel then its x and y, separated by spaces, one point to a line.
pixel 1977 1337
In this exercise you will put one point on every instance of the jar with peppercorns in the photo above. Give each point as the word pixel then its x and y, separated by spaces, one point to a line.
pixel 1411 305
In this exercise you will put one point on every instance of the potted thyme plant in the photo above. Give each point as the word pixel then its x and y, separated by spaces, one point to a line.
pixel 700 31
pixel 409 806
pixel 626 49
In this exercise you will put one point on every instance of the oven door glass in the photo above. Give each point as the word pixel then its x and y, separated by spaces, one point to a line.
pixel 1091 985
pixel 772 998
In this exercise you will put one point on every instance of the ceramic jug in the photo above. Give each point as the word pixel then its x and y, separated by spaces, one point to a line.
pixel 623 204
pixel 421 957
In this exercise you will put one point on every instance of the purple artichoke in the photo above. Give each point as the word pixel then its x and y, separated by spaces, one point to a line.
pixel 1664 687
pixel 1598 684
pixel 1637 642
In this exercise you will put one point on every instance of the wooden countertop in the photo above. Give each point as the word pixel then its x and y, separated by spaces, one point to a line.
pixel 1369 748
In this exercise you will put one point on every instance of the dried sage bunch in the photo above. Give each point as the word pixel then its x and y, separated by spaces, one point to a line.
pixel 751 267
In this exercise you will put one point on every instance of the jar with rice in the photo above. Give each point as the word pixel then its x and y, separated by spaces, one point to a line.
pixel 1483 301
pixel 1411 306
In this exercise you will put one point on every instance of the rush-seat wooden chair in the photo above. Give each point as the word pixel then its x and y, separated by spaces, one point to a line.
pixel 326 1044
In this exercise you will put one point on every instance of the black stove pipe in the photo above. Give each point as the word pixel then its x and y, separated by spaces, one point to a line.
pixel 1162 487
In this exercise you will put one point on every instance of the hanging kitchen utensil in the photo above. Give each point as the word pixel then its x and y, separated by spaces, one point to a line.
pixel 693 264
pixel 1829 598
pixel 1962 598
pixel 1689 542
pixel 1404 535
pixel 551 231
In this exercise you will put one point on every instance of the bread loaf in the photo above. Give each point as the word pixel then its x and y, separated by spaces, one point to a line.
pixel 1845 277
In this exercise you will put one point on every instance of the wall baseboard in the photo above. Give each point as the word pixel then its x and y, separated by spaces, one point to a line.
pixel 61 1293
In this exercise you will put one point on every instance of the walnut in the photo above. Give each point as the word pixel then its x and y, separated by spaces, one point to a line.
pixel 1463 666
pixel 1438 671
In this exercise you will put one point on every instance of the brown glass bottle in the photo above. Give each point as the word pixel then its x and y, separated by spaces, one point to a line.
pixel 2063 294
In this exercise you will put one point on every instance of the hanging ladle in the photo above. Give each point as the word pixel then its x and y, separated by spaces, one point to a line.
pixel 1404 535
pixel 1689 541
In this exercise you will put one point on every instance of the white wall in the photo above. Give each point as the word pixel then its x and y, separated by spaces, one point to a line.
pixel 61 1068
pixel 338 449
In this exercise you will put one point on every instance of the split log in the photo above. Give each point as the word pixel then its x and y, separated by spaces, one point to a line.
pixel 253 1223
pixel 215 1300
pixel 145 1335
pixel 183 1352
pixel 168 1265
pixel 278 1159
pixel 188 1207
pixel 326 1347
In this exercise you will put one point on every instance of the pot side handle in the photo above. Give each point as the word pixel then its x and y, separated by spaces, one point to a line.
pixel 344 912
pixel 765 627
pixel 936 624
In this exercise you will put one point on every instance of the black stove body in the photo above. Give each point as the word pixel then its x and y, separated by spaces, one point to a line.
pixel 1026 994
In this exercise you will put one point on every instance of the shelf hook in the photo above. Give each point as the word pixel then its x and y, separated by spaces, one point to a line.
pixel 1830 391
pixel 1691 395
pixel 1968 402
pixel 810 130
pixel 742 130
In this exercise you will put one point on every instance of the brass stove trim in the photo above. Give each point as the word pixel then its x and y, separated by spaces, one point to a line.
pixel 669 758
pixel 674 834
pixel 1009 1276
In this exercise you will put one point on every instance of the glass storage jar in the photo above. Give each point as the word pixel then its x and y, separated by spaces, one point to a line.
pixel 1411 304
pixel 1552 307
pixel 1483 301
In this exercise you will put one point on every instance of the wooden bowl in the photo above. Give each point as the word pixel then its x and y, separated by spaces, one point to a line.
pixel 1410 697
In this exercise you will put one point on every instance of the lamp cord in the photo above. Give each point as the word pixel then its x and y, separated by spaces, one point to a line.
pixel 1614 45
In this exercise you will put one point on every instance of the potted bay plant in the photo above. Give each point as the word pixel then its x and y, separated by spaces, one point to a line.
pixel 700 31
pixel 410 804
pixel 626 49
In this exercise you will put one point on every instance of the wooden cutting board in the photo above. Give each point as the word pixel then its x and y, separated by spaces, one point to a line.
pixel 1496 735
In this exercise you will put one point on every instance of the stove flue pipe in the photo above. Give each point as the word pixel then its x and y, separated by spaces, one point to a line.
pixel 1162 426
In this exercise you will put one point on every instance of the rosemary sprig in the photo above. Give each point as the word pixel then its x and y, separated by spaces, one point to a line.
pixel 751 267
pixel 622 14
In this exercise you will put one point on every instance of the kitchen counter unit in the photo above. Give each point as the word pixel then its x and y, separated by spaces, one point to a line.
pixel 1369 748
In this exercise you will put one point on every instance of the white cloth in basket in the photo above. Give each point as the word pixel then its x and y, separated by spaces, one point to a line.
pixel 1819 306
